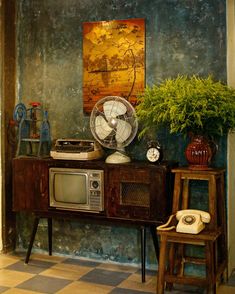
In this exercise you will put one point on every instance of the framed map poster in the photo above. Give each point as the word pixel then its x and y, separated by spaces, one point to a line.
pixel 113 60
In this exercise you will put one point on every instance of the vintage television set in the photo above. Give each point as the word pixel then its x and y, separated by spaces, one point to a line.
pixel 76 189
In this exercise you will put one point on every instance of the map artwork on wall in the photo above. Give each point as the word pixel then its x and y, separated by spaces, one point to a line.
pixel 113 60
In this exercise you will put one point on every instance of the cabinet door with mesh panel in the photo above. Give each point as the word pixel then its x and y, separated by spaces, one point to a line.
pixel 134 190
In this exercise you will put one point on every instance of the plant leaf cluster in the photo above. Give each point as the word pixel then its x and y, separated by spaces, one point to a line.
pixel 188 105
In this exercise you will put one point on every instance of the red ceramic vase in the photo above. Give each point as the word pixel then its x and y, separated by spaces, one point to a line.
pixel 198 153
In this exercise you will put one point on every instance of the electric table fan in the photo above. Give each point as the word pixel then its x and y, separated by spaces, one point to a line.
pixel 114 124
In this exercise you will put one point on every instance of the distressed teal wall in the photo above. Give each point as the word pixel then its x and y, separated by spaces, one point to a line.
pixel 182 37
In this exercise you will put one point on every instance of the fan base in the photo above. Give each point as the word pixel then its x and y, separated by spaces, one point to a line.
pixel 117 157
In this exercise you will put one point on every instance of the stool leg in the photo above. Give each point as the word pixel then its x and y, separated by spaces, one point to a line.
pixel 171 265
pixel 222 222
pixel 177 192
pixel 212 202
pixel 210 267
pixel 162 266
pixel 180 260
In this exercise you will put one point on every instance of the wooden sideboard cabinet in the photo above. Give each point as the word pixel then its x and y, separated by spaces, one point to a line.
pixel 136 193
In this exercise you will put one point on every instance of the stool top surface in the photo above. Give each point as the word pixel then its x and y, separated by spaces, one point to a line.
pixel 209 171
pixel 205 235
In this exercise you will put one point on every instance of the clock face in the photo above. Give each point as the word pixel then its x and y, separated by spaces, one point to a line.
pixel 153 154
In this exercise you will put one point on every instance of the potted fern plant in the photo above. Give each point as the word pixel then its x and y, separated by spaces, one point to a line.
pixel 201 108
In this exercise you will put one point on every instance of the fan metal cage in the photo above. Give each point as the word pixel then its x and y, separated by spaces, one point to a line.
pixel 113 122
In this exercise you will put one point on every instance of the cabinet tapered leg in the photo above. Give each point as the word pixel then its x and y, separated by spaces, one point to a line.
pixel 143 254
pixel 35 227
pixel 49 224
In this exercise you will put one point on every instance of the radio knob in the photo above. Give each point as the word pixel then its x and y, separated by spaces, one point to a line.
pixel 95 184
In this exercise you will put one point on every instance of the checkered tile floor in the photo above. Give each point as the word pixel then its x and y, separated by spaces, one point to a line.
pixel 53 274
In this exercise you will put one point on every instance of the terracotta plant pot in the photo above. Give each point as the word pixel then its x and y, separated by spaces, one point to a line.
pixel 199 153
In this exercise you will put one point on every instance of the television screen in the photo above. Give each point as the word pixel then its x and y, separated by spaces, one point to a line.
pixel 70 188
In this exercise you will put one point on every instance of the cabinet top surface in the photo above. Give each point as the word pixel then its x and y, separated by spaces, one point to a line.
pixel 51 161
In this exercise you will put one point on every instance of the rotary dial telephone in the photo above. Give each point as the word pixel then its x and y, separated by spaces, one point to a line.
pixel 191 221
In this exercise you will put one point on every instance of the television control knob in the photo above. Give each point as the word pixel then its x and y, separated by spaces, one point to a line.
pixel 95 184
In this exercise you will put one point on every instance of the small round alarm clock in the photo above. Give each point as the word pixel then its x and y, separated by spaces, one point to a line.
pixel 154 152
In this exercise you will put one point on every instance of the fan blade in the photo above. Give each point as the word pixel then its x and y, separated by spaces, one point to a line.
pixel 114 108
pixel 102 128
pixel 123 131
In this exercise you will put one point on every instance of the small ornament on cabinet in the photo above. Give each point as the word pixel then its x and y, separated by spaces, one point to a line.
pixel 154 153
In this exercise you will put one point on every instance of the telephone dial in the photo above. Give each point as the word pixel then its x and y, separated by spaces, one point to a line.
pixel 191 221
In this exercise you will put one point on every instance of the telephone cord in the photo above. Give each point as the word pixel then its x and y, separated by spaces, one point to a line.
pixel 165 227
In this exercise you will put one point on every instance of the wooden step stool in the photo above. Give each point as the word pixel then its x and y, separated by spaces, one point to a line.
pixel 213 237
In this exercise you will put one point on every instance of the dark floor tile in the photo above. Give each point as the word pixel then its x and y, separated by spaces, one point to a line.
pixel 186 289
pixel 148 272
pixel 3 289
pixel 34 267
pixel 81 262
pixel 42 263
pixel 127 291
pixel 104 277
pixel 44 284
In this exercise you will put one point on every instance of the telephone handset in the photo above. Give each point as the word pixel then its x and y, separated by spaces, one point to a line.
pixel 191 221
